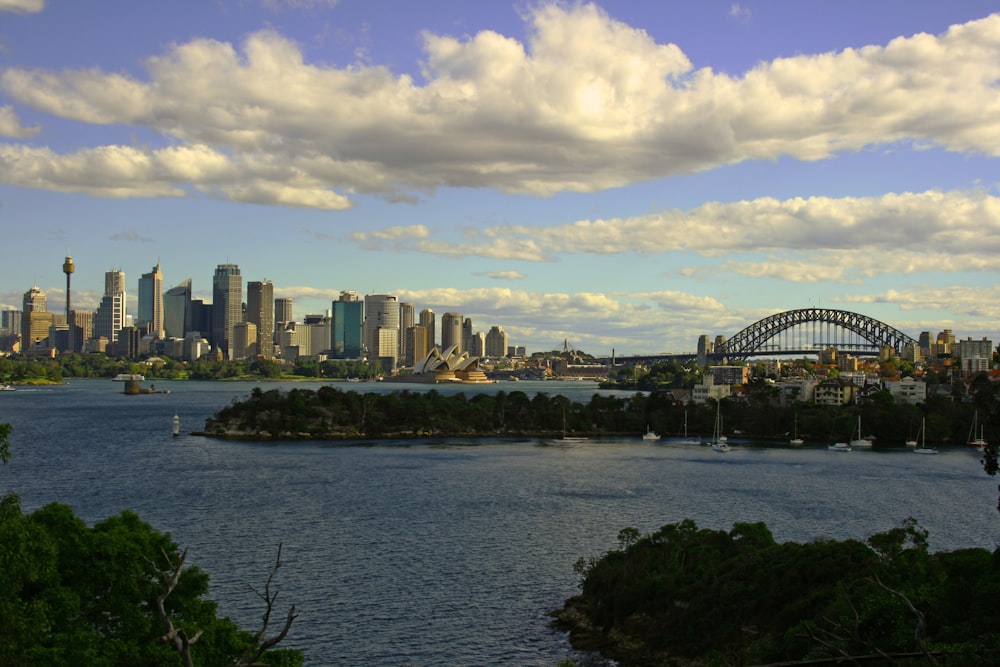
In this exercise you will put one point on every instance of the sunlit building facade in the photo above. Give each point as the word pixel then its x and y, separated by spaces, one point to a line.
pixel 150 310
pixel 451 331
pixel 260 312
pixel 227 306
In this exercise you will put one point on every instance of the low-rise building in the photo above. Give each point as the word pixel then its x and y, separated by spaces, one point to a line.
pixel 708 389
pixel 907 390
pixel 835 391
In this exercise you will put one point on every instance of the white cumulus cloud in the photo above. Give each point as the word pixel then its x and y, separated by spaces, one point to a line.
pixel 585 102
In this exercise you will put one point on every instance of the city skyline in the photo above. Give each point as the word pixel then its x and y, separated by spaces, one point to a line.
pixel 667 172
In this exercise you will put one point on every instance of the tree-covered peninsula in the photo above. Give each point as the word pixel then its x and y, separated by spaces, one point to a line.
pixel 690 596
pixel 331 413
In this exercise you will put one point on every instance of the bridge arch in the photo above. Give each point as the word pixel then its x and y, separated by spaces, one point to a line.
pixel 870 336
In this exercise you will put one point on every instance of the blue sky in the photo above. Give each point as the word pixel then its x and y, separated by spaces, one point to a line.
pixel 623 176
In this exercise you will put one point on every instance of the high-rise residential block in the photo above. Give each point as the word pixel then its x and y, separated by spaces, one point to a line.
pixel 151 302
pixel 260 311
pixel 227 306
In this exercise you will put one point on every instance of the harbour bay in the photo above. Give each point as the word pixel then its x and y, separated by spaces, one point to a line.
pixel 445 552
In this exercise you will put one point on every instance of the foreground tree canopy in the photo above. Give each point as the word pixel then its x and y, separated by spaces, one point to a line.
pixel 685 595
pixel 73 595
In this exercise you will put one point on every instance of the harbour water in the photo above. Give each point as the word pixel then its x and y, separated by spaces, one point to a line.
pixel 444 552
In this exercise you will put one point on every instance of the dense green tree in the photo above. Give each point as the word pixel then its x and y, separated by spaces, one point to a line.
pixel 686 594
pixel 72 595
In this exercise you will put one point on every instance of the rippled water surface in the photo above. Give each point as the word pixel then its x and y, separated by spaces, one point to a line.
pixel 450 552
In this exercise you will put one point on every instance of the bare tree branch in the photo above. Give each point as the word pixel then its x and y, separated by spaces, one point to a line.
pixel 261 642
pixel 921 628
pixel 176 637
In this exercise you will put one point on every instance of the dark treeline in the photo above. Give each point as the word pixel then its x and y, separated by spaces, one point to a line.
pixel 333 413
pixel 685 595
pixel 84 366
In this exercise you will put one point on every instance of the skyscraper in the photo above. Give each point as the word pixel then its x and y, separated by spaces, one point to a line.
pixel 381 328
pixel 110 316
pixel 497 342
pixel 114 281
pixel 347 319
pixel 260 311
pixel 151 302
pixel 177 310
pixel 227 306
pixel 451 331
pixel 407 315
pixel 416 345
pixel 244 344
pixel 467 335
pixel 35 318
pixel 427 322
pixel 282 313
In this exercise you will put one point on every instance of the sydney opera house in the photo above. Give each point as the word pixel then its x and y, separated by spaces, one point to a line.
pixel 447 366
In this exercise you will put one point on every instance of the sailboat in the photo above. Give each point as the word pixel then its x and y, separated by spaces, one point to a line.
pixel 685 440
pixel 719 443
pixel 570 438
pixel 923 448
pixel 861 441
pixel 976 439
pixel 650 435
pixel 796 441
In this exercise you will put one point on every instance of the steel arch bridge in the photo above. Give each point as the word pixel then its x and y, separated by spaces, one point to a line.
pixel 811 330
